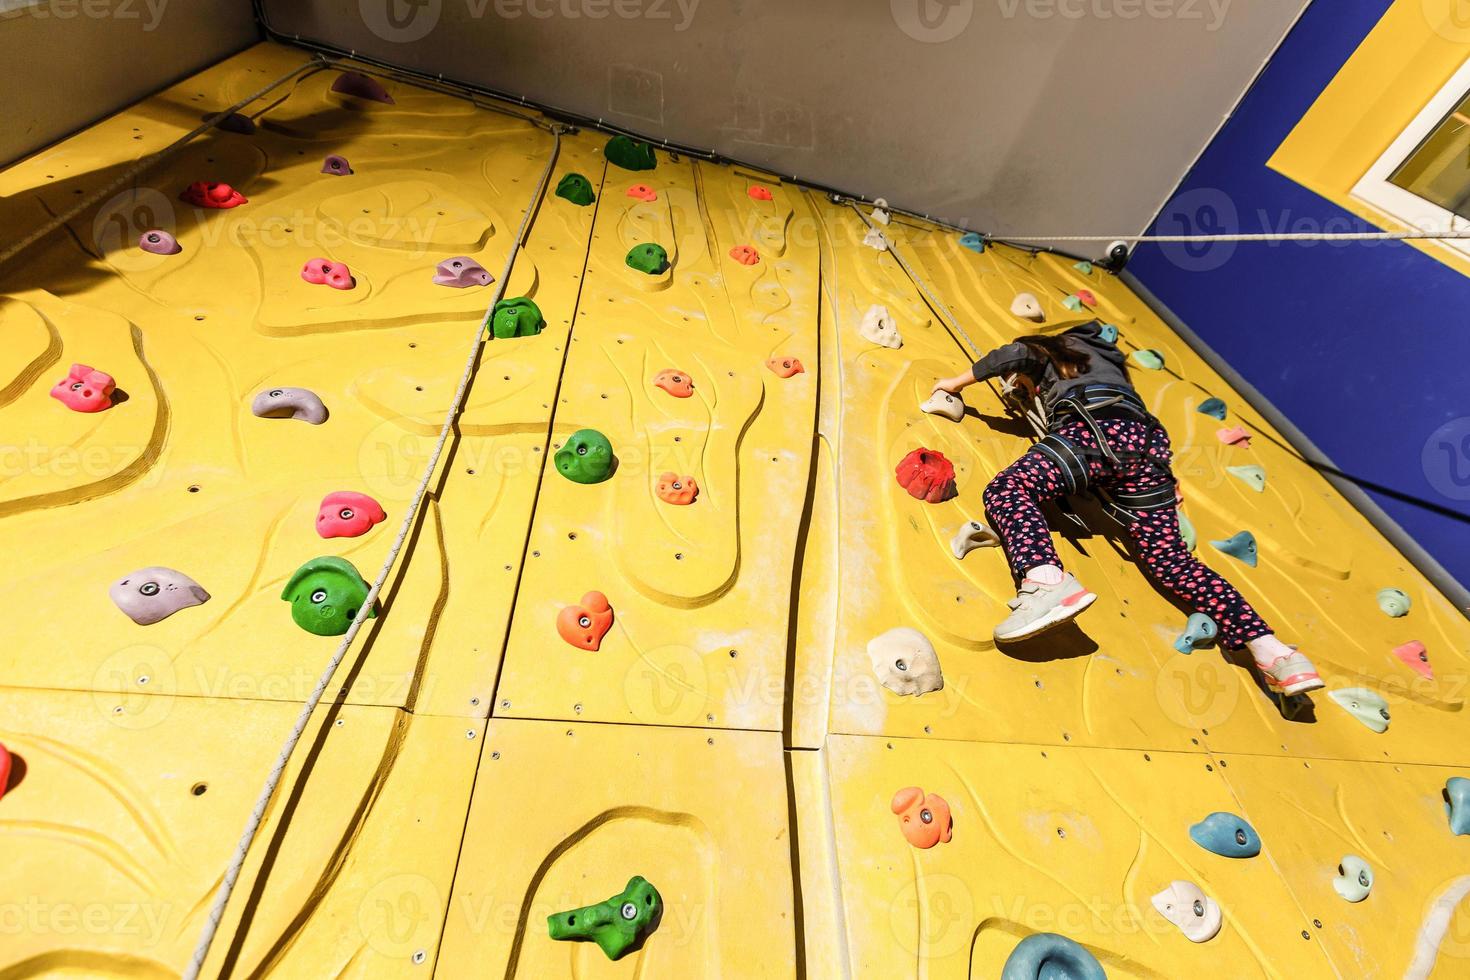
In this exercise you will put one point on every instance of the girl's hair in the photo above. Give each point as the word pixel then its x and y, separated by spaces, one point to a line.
pixel 1068 360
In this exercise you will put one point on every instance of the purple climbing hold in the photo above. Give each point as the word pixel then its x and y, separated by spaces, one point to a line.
pixel 357 84
pixel 461 271
pixel 159 242
pixel 235 123
pixel 336 165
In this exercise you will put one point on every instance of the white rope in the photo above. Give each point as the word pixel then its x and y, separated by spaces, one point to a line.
pixel 237 861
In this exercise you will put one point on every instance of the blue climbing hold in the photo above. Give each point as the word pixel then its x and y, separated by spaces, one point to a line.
pixel 1048 956
pixel 1252 476
pixel 1199 632
pixel 1083 267
pixel 1108 333
pixel 974 241
pixel 1227 835
pixel 1212 407
pixel 1241 546
pixel 1457 804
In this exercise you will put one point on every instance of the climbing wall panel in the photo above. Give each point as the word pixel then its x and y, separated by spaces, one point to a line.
pixel 626 800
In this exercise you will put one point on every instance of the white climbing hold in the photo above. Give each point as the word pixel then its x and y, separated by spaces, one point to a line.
pixel 880 211
pixel 1189 908
pixel 944 403
pixel 1252 476
pixel 874 239
pixel 878 326
pixel 905 662
pixel 972 535
pixel 1027 307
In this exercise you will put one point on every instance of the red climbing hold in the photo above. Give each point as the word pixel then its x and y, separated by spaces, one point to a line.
pixel 323 272
pixel 363 87
pixel 675 382
pixel 1234 436
pixel 745 255
pixel 211 194
pixel 643 192
pixel 347 514
pixel 927 475
pixel 4 770
pixel 759 193
pixel 1085 295
pixel 84 389
pixel 586 623
pixel 1414 654
pixel 785 367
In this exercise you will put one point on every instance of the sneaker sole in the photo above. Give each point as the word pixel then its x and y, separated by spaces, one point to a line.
pixel 1300 687
pixel 1056 616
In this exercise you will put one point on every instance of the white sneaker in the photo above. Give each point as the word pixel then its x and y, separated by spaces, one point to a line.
pixel 1038 607
pixel 1292 674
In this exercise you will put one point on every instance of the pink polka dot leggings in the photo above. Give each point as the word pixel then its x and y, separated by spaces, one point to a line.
pixel 1013 498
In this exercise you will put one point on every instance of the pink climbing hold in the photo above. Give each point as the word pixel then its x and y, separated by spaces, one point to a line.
pixel 1085 295
pixel 85 389
pixel 1234 436
pixel 759 193
pixel 643 192
pixel 159 242
pixel 1414 654
pixel 212 194
pixel 4 770
pixel 322 272
pixel 347 514
pixel 461 271
pixel 357 84
pixel 336 165
pixel 745 255
pixel 927 475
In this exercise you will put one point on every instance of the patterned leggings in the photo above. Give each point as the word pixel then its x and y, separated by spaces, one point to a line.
pixel 1012 503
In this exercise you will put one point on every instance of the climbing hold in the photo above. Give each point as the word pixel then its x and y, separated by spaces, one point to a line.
pixel 1199 632
pixel 4 770
pixel 1150 359
pixel 1187 531
pixel 880 211
pixel 617 925
pixel 648 258
pixel 1083 267
pixel 972 535
pixel 1048 956
pixel 905 662
pixel 85 389
pixel 927 475
pixel 675 489
pixel 325 272
pixel 576 188
pixel 1394 602
pixel 1213 407
pixel 301 404
pixel 159 242
pixel 1367 706
pixel 1086 296
pixel 879 327
pixel 1189 908
pixel 1457 804
pixel 235 123
pixel 1234 436
pixel 630 154
pixel 1027 307
pixel 336 165
pixel 944 403
pixel 586 623
pixel 873 238
pixel 1108 333
pixel 460 272
pixel 1242 546
pixel 357 84
pixel 518 317
pixel 974 241
pixel 1073 303
pixel 1414 654
pixel 155 593
pixel 643 192
pixel 759 193
pixel 587 457
pixel 1227 835
pixel 347 514
pixel 745 255
pixel 210 194
pixel 675 382
pixel 1354 878
pixel 924 820
pixel 785 367
pixel 1252 476
pixel 325 595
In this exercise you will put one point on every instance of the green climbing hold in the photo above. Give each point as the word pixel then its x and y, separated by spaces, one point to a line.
pixel 1150 359
pixel 1242 546
pixel 325 595
pixel 630 154
pixel 519 317
pixel 577 189
pixel 1393 602
pixel 1187 532
pixel 1073 303
pixel 617 925
pixel 1083 267
pixel 1252 476
pixel 649 258
pixel 1213 407
pixel 587 457
pixel 1367 706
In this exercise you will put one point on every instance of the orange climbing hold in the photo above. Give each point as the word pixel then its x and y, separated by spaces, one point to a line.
pixel 785 367
pixel 1414 654
pixel 924 820
pixel 675 489
pixel 745 255
pixel 927 475
pixel 675 382
pixel 759 193
pixel 643 192
pixel 586 623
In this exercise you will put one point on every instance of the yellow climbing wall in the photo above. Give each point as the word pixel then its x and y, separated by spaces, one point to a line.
pixel 470 772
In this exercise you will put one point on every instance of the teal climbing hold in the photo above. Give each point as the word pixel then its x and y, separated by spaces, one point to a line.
pixel 1227 835
pixel 1252 476
pixel 1199 632
pixel 1083 267
pixel 577 189
pixel 1150 359
pixel 1213 407
pixel 1367 706
pixel 325 595
pixel 1187 532
pixel 587 457
pixel 1048 956
pixel 974 241
pixel 519 317
pixel 1457 804
pixel 1242 546
pixel 630 154
pixel 1108 333
pixel 649 258
pixel 1393 602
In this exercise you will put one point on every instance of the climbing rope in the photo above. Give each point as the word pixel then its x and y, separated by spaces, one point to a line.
pixel 237 861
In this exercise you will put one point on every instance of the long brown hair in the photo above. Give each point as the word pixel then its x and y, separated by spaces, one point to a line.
pixel 1068 360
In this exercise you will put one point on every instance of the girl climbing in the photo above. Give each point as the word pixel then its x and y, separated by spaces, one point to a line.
pixel 1102 437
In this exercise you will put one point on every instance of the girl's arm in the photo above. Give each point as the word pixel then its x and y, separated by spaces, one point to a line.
pixel 1010 359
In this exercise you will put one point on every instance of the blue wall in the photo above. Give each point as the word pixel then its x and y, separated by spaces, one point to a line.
pixel 1366 347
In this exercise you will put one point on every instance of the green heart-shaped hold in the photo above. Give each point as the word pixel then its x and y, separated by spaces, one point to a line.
pixel 325 595
pixel 519 317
